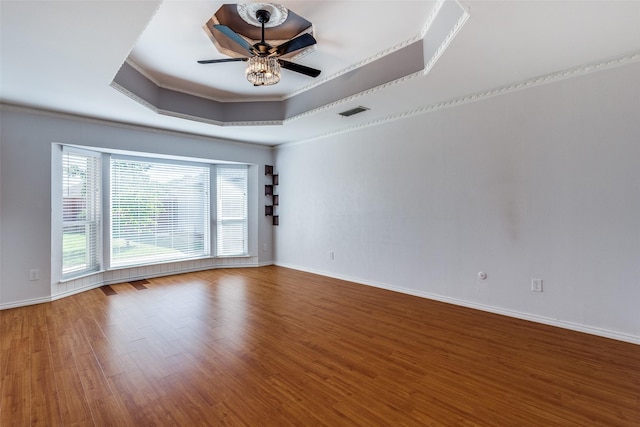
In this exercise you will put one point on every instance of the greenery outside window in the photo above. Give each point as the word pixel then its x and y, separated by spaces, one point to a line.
pixel 232 211
pixel 81 212
pixel 160 211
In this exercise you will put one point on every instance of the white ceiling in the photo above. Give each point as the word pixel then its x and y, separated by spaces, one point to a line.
pixel 63 56
pixel 361 30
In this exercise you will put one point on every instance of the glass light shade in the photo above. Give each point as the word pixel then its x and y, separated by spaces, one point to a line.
pixel 263 71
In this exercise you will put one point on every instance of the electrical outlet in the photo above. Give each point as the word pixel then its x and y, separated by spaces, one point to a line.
pixel 536 285
pixel 331 255
pixel 264 247
pixel 34 274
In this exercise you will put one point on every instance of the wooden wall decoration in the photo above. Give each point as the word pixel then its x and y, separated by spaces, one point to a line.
pixel 270 210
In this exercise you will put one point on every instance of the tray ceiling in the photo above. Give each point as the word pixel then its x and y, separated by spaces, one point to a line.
pixel 63 56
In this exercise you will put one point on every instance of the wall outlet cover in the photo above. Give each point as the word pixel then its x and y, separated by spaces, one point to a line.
pixel 536 285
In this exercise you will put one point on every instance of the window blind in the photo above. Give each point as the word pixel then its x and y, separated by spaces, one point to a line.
pixel 81 194
pixel 232 212
pixel 160 211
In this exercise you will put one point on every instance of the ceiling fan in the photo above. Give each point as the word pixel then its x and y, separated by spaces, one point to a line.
pixel 264 62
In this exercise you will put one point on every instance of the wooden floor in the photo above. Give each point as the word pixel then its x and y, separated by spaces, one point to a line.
pixel 276 347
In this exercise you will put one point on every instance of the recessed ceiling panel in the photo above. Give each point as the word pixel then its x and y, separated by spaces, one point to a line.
pixel 348 34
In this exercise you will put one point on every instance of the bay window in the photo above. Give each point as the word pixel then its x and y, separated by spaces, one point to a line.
pixel 155 210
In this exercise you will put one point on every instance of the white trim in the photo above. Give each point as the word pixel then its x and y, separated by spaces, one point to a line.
pixel 23 303
pixel 279 98
pixel 75 291
pixel 592 330
pixel 266 264
pixel 80 276
pixel 27 302
pixel 478 96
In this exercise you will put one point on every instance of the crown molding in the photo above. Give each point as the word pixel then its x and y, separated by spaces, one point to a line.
pixel 479 96
pixel 453 8
pixel 444 21
pixel 316 82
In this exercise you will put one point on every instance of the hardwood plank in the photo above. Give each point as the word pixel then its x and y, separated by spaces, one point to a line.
pixel 109 411
pixel 45 410
pixel 15 405
pixel 74 408
pixel 107 358
pixel 94 382
pixel 272 346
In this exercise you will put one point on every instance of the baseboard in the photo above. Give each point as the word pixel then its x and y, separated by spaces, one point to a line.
pixel 75 291
pixel 24 303
pixel 482 307
pixel 174 272
pixel 266 264
pixel 89 287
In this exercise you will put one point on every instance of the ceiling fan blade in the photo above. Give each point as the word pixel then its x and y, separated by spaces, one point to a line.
pixel 234 37
pixel 215 61
pixel 298 43
pixel 302 69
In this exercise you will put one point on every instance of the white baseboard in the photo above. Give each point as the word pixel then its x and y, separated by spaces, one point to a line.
pixel 469 304
pixel 98 284
pixel 23 303
pixel 266 264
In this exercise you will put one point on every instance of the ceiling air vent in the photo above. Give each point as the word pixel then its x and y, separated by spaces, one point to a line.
pixel 353 111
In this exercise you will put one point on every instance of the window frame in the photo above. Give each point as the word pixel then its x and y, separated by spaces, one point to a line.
pixel 104 246
pixel 208 250
pixel 97 220
pixel 245 219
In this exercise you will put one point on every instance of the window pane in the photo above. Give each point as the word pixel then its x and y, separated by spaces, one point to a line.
pixel 80 213
pixel 232 221
pixel 159 212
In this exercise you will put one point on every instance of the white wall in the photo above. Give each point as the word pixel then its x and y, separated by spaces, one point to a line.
pixel 25 192
pixel 543 182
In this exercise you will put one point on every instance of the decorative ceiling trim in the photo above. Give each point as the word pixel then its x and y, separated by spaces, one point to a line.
pixel 247 12
pixel 356 81
pixel 479 96
pixel 217 122
pixel 316 82
pixel 432 56
pixel 430 19
pixel 151 78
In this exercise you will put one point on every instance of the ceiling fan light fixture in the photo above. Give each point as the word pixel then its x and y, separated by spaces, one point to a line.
pixel 263 71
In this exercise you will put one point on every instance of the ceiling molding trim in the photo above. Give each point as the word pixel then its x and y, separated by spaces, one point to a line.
pixel 462 19
pixel 451 18
pixel 444 22
pixel 142 71
pixel 354 66
pixel 479 96
pixel 316 82
pixel 126 92
pixel 430 19
pixel 432 16
pixel 425 29
pixel 216 122
pixel 139 88
pixel 161 85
